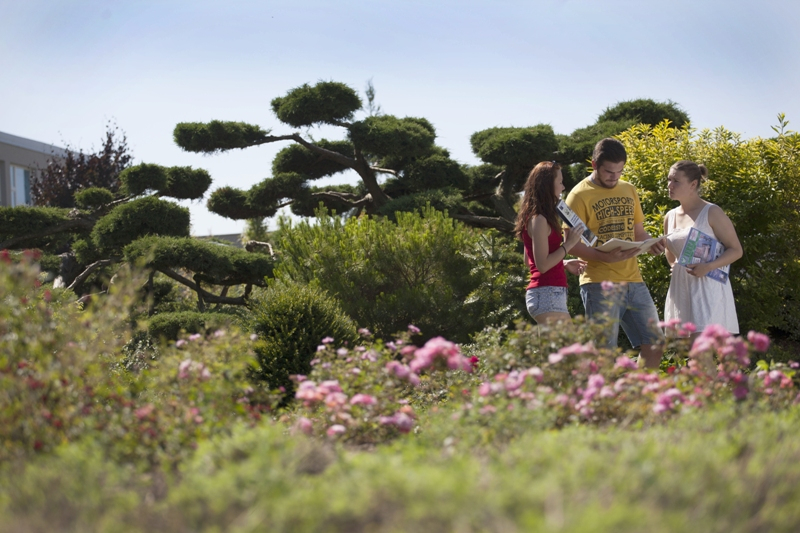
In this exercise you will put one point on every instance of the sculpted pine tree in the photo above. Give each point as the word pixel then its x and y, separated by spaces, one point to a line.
pixel 400 168
pixel 136 225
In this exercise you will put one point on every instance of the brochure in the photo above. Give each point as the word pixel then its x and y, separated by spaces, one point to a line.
pixel 571 219
pixel 703 248
pixel 641 246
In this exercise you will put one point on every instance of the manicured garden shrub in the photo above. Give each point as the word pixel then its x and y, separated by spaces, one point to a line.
pixel 93 197
pixel 386 275
pixel 169 326
pixel 290 320
pixel 139 218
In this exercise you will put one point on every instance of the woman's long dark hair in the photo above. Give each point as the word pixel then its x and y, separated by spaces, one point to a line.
pixel 538 197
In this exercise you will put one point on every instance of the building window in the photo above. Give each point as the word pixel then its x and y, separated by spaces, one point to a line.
pixel 20 186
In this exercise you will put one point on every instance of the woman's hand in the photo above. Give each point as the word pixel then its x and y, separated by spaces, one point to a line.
pixel 572 236
pixel 699 270
pixel 575 267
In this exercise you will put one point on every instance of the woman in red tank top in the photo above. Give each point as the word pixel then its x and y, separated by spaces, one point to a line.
pixel 540 230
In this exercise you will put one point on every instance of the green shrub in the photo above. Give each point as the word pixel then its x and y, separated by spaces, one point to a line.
pixel 291 320
pixel 169 326
pixel 388 275
pixel 298 158
pixel 26 220
pixel 63 377
pixel 213 263
pixel 515 147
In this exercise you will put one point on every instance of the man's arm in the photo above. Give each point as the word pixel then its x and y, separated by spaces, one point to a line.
pixel 593 254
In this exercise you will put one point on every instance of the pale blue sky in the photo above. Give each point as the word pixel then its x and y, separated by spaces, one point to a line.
pixel 69 66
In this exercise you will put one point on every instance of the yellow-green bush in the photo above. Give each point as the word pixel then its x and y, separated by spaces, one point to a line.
pixel 757 183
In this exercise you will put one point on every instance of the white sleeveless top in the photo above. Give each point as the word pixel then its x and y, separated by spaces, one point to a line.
pixel 702 301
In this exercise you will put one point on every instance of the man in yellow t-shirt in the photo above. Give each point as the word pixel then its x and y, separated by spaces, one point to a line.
pixel 610 208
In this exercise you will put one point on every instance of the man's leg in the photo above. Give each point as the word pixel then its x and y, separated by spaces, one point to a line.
pixel 640 323
pixel 602 306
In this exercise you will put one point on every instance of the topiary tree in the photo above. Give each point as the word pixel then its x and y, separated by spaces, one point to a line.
pixel 396 159
pixel 132 220
pixel 399 166
pixel 510 153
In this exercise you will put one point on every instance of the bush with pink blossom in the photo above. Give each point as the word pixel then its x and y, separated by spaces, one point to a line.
pixel 580 383
pixel 63 378
pixel 374 391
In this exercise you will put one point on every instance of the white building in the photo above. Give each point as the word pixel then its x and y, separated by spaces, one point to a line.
pixel 20 158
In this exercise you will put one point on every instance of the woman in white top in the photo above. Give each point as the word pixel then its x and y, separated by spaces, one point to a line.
pixel 693 296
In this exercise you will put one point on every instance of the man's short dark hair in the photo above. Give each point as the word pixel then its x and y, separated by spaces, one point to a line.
pixel 610 150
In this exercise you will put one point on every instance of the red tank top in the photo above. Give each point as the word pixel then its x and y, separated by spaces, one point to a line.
pixel 556 276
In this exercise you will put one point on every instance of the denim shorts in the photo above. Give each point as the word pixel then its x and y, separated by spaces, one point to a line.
pixel 629 304
pixel 546 299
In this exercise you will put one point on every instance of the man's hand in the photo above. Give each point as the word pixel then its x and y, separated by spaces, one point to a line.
pixel 659 247
pixel 618 254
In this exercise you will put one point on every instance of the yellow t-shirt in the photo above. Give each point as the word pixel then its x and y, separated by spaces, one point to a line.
pixel 609 213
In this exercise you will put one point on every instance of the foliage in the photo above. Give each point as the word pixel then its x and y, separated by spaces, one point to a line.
pixel 384 135
pixel 217 136
pixel 213 263
pixel 58 182
pixel 61 378
pixel 757 183
pixel 375 146
pixel 290 320
pixel 327 102
pixel 144 177
pixel 496 262
pixel 575 149
pixel 234 203
pixel 514 147
pixel 170 326
pixel 93 197
pixel 298 158
pixel 732 471
pixel 32 222
pixel 398 164
pixel 646 111
pixel 402 436
pixel 435 172
pixel 387 275
pixel 444 199
pixel 89 242
pixel 139 218
pixel 186 183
